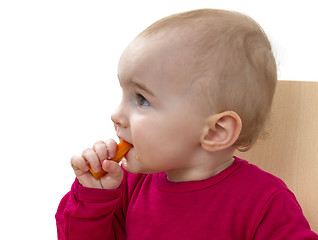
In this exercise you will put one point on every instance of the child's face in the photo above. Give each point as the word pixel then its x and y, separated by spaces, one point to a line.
pixel 159 112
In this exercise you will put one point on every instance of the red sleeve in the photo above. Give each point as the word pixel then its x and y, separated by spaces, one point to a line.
pixel 87 213
pixel 282 218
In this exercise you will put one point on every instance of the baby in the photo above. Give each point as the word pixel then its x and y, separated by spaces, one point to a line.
pixel 196 86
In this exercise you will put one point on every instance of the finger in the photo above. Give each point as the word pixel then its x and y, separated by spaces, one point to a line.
pixel 79 165
pixel 113 169
pixel 100 149
pixel 111 148
pixel 114 176
pixel 91 157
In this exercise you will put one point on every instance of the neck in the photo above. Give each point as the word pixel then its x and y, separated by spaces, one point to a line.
pixel 203 170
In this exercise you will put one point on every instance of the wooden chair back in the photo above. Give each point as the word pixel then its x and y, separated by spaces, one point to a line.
pixel 290 151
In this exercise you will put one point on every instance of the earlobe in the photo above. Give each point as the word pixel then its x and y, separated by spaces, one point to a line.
pixel 221 131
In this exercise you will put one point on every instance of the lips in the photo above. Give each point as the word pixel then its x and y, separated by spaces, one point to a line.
pixel 125 145
pixel 123 139
pixel 129 152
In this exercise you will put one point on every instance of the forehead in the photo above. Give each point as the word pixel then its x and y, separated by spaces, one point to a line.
pixel 164 58
pixel 139 54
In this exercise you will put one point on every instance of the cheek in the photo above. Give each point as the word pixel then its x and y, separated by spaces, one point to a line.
pixel 144 135
pixel 152 132
pixel 163 134
pixel 148 136
pixel 159 130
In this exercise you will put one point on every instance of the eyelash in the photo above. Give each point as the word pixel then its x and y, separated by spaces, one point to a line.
pixel 142 101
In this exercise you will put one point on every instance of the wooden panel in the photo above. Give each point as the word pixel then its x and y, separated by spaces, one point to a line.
pixel 290 151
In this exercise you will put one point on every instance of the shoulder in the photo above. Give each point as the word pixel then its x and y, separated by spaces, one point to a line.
pixel 251 178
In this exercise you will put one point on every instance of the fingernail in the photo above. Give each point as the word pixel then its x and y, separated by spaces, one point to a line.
pixel 74 167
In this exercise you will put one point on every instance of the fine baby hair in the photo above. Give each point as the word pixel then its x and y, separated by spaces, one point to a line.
pixel 234 64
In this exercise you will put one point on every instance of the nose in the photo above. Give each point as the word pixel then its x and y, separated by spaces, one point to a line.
pixel 120 117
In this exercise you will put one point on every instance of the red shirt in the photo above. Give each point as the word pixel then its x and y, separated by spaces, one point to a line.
pixel 241 202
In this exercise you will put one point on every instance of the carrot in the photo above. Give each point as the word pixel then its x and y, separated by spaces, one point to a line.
pixel 122 148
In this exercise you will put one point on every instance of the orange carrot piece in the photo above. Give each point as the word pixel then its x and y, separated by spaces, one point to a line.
pixel 122 148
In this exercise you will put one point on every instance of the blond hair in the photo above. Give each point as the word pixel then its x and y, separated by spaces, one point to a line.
pixel 234 63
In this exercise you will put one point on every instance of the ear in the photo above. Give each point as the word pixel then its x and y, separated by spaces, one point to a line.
pixel 221 131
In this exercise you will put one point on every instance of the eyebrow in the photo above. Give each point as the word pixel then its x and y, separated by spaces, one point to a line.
pixel 140 86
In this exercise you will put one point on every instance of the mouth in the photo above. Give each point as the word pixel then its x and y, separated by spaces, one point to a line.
pixel 122 150
pixel 122 139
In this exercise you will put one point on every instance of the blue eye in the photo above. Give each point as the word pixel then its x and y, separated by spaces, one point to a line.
pixel 142 101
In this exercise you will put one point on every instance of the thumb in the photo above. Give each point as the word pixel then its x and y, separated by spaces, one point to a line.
pixel 114 175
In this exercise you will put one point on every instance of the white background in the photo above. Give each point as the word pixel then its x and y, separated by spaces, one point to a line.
pixel 58 66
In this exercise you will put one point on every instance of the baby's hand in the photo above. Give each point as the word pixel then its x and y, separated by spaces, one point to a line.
pixel 97 157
